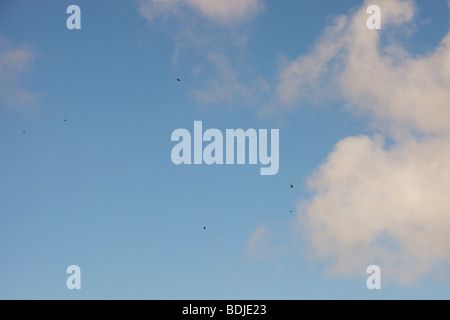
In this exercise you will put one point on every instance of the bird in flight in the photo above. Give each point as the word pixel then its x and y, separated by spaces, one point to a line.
pixel 24 131
pixel 65 120
pixel 178 79
pixel 291 211
pixel 204 228
pixel 292 186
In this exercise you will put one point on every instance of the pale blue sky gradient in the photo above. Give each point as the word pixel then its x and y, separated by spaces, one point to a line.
pixel 101 192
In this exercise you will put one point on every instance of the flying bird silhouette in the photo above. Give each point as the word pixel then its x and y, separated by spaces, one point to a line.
pixel 65 120
pixel 204 228
pixel 24 131
pixel 292 186
pixel 178 80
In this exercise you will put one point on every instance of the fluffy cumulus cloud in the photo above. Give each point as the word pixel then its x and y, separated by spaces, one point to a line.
pixel 389 83
pixel 217 10
pixel 384 206
pixel 14 61
pixel 375 203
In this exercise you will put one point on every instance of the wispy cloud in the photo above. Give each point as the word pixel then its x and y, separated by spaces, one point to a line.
pixel 227 85
pixel 221 74
pixel 14 61
pixel 219 11
pixel 257 243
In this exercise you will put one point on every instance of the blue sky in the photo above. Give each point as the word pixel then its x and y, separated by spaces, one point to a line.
pixel 100 190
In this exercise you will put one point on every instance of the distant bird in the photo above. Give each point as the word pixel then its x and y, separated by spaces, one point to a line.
pixel 178 80
pixel 65 120
pixel 292 186
pixel 291 211
pixel 204 228
pixel 24 131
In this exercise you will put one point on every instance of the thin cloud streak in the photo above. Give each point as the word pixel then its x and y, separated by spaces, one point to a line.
pixel 14 62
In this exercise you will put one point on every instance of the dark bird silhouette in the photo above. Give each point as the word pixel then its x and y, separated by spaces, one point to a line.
pixel 291 211
pixel 292 186
pixel 178 80
pixel 65 120
pixel 204 228
pixel 24 131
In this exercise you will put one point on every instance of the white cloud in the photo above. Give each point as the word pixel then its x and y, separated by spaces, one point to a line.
pixel 389 82
pixel 377 206
pixel 374 204
pixel 216 10
pixel 227 10
pixel 14 61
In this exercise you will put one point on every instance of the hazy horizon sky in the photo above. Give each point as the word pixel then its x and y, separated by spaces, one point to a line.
pixel 364 122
